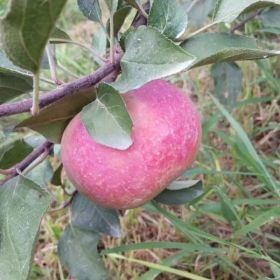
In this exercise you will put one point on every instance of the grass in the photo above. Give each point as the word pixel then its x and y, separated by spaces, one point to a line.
pixel 233 231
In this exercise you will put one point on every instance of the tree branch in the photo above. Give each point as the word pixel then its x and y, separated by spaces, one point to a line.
pixel 21 166
pixel 243 22
pixel 63 90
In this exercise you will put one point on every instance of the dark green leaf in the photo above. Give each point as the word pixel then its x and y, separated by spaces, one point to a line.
pixel 135 3
pixel 53 119
pixel 169 17
pixel 119 18
pixel 245 144
pixel 99 44
pixel 56 179
pixel 90 9
pixel 26 28
pixel 107 120
pixel 271 18
pixel 12 152
pixel 149 55
pixel 228 82
pixel 45 59
pixel 228 10
pixel 88 216
pixel 41 174
pixel 112 5
pixel 222 47
pixel 77 252
pixel 7 66
pixel 23 204
pixel 34 140
pixel 3 6
pixel 14 81
pixel 227 208
pixel 58 34
pixel 200 11
pixel 13 85
pixel 180 192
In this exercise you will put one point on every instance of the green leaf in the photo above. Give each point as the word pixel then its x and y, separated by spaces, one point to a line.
pixel 135 3
pixel 228 82
pixel 78 253
pixel 161 267
pixel 7 66
pixel 169 17
pixel 26 28
pixel 112 5
pixel 88 216
pixel 250 150
pixel 54 118
pixel 41 174
pixel 262 219
pixel 119 18
pixel 107 120
pixel 223 47
pixel 58 34
pixel 13 85
pixel 90 9
pixel 228 10
pixel 187 247
pixel 23 204
pixel 56 178
pixel 227 208
pixel 200 11
pixel 99 41
pixel 14 81
pixel 12 152
pixel 149 55
pixel 271 18
pixel 169 261
pixel 180 192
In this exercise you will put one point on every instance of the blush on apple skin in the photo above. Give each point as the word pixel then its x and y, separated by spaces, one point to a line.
pixel 166 137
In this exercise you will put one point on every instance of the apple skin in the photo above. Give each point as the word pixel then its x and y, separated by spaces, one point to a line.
pixel 166 137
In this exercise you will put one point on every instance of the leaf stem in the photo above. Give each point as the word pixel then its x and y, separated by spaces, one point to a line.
pixel 193 3
pixel 188 36
pixel 243 22
pixel 112 37
pixel 21 166
pixel 53 67
pixel 35 109
pixel 92 50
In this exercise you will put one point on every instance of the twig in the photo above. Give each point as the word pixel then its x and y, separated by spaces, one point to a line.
pixel 65 204
pixel 243 22
pixel 139 18
pixel 21 166
pixel 91 49
pixel 193 3
pixel 112 37
pixel 35 108
pixel 53 65
pixel 63 90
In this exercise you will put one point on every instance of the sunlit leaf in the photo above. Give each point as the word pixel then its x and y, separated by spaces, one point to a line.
pixel 107 120
pixel 169 17
pixel 149 55
pixel 23 36
pixel 23 204
pixel 77 251
pixel 89 216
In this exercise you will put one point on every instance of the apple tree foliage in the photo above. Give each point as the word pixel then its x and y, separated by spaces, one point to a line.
pixel 164 38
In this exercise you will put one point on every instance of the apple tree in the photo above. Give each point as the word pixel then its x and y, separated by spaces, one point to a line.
pixel 138 42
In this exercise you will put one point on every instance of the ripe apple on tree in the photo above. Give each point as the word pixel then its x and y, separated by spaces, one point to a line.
pixel 166 136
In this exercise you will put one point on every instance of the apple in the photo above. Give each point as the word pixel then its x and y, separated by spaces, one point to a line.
pixel 166 137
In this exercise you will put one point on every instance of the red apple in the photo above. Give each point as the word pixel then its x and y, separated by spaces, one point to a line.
pixel 166 137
